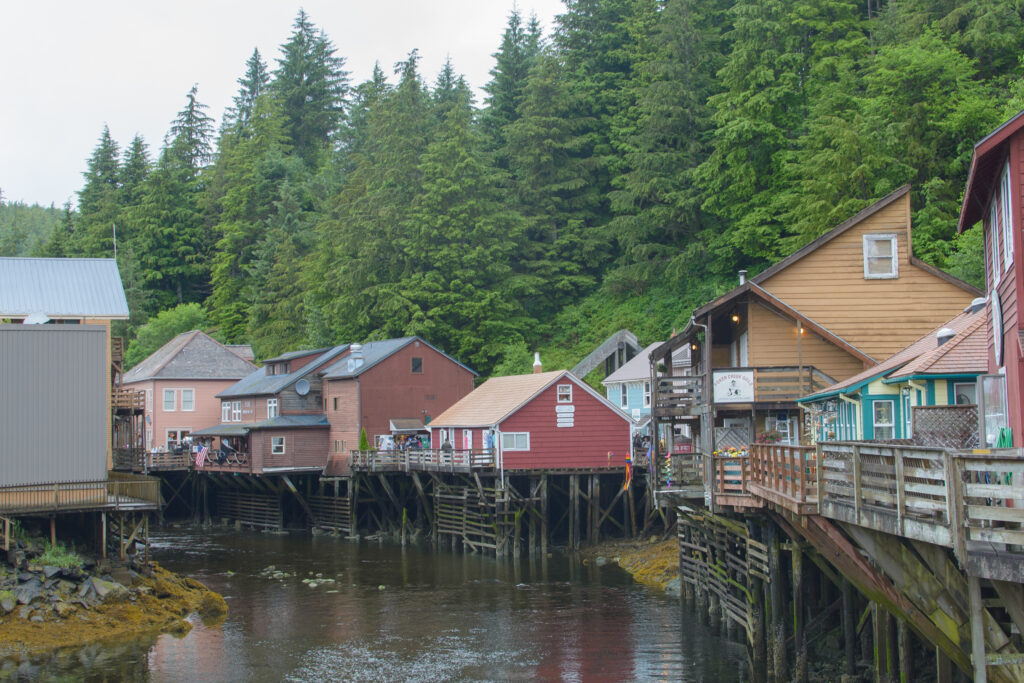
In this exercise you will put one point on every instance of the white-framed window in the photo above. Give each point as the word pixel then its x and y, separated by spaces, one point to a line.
pixel 1005 197
pixel 188 399
pixel 271 408
pixel 647 394
pixel 277 445
pixel 225 411
pixel 565 393
pixel 881 258
pixel 515 441
pixel 965 393
pixel 623 395
pixel 169 400
pixel 884 419
pixel 236 411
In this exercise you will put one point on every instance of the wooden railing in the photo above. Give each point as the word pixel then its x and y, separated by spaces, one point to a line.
pixel 788 383
pixel 120 491
pixel 731 475
pixel 992 498
pixel 787 472
pixel 676 471
pixel 224 461
pixel 897 489
pixel 423 460
pixel 125 399
pixel 678 395
pixel 116 350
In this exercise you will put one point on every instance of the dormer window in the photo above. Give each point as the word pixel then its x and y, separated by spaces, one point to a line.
pixel 881 257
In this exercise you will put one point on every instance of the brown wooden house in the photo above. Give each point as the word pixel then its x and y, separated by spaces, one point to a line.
pixel 391 388
pixel 841 304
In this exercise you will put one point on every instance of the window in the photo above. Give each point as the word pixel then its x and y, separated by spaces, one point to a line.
pixel 169 403
pixel 623 395
pixel 992 410
pixel 515 441
pixel 277 445
pixel 880 257
pixel 271 408
pixel 225 411
pixel 339 445
pixel 335 400
pixel 885 424
pixel 965 393
pixel 1004 216
pixel 999 232
pixel 417 365
pixel 565 393
pixel 647 394
pixel 188 399
pixel 236 411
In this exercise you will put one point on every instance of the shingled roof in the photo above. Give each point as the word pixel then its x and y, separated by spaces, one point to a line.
pixel 191 355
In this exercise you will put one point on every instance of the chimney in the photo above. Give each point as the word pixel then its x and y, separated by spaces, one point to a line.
pixel 743 277
pixel 978 304
pixel 355 357
pixel 537 367
pixel 944 335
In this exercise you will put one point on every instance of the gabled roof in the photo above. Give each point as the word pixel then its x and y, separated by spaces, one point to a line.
pixel 243 351
pixel 190 355
pixel 297 354
pixel 637 369
pixel 499 397
pixel 986 163
pixel 62 288
pixel 926 356
pixel 376 351
pixel 259 383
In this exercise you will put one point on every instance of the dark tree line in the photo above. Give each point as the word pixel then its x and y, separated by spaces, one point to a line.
pixel 618 172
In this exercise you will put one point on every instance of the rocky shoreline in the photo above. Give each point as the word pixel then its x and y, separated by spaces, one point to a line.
pixel 44 608
pixel 652 562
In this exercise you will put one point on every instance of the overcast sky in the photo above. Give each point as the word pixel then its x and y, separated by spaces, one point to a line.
pixel 69 67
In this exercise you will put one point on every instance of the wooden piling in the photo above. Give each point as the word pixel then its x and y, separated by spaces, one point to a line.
pixel 799 637
pixel 849 630
pixel 903 645
pixel 778 620
pixel 544 514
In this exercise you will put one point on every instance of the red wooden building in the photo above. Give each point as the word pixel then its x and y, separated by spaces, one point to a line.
pixel 544 421
pixel 995 190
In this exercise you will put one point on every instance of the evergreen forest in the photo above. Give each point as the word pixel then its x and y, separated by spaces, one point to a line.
pixel 617 173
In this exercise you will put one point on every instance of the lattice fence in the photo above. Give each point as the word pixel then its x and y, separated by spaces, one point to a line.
pixel 946 426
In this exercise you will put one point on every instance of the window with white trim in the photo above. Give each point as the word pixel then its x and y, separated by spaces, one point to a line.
pixel 225 411
pixel 277 445
pixel 565 393
pixel 271 408
pixel 188 399
pixel 623 395
pixel 881 257
pixel 169 400
pixel 1005 197
pixel 236 411
pixel 515 441
pixel 965 393
pixel 884 419
pixel 647 394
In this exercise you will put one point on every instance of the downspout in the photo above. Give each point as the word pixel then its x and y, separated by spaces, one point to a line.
pixel 500 453
pixel 857 426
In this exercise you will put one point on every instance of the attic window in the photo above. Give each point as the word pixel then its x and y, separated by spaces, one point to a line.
pixel 880 257
pixel 417 365
pixel 565 393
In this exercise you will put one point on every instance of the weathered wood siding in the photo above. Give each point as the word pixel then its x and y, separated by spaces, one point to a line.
pixel 773 342
pixel 344 432
pixel 293 404
pixel 597 431
pixel 303 448
pixel 879 317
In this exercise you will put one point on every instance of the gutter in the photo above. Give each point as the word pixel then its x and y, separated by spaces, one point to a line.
pixel 922 378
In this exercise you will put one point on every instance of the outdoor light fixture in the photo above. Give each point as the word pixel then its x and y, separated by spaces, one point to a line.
pixel 693 347
pixel 735 317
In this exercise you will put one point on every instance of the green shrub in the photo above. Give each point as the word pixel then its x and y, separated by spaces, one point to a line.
pixel 57 555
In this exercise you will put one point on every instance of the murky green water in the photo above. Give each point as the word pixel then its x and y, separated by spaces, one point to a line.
pixel 413 614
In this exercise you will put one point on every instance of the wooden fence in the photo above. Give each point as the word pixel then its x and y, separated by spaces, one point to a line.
pixel 429 460
pixel 120 492
pixel 678 395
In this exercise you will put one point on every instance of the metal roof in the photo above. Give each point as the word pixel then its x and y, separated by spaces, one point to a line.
pixel 259 383
pixel 62 288
pixel 376 351
pixel 190 355
pixel 224 430
pixel 292 421
pixel 637 369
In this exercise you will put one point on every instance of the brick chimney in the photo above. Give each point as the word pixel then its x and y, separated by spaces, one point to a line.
pixel 537 367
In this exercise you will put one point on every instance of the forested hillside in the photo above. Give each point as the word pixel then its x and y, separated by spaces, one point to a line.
pixel 617 173
pixel 25 229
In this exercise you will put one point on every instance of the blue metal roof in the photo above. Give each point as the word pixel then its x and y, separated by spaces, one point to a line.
pixel 292 421
pixel 259 383
pixel 61 288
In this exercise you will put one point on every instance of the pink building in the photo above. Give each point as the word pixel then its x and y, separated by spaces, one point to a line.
pixel 181 381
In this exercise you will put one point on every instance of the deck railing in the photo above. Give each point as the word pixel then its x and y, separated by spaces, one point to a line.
pixel 676 471
pixel 992 501
pixel 790 472
pixel 120 491
pixel 788 383
pixel 731 475
pixel 125 399
pixel 678 395
pixel 230 461
pixel 423 460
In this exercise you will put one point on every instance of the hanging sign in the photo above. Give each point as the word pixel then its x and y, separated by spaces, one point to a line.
pixel 733 386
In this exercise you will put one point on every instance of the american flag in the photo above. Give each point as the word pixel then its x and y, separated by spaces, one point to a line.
pixel 201 457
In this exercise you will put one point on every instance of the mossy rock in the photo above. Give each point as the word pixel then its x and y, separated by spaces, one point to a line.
pixel 212 608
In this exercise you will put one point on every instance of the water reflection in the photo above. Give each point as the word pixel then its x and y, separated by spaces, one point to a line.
pixel 416 614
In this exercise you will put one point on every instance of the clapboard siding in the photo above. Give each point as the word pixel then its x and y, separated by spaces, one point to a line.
pixel 344 420
pixel 303 447
pixel 878 316
pixel 773 342
pixel 597 431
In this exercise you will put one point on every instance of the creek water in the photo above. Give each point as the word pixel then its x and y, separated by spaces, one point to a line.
pixel 381 612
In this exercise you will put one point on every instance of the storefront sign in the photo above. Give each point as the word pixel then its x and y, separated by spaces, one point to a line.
pixel 733 386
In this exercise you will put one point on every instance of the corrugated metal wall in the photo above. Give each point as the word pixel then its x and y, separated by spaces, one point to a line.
pixel 53 406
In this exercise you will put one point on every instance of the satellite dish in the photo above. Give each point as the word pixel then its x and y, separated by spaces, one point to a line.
pixel 302 387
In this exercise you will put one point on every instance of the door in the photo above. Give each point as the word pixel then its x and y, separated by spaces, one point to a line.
pixel 467 439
